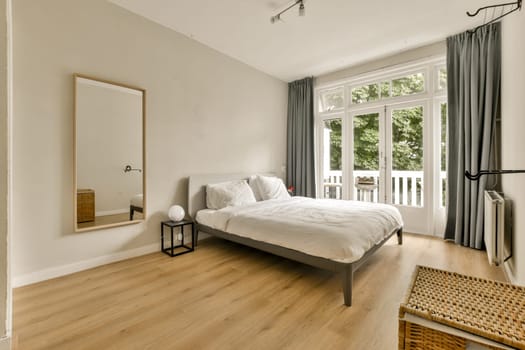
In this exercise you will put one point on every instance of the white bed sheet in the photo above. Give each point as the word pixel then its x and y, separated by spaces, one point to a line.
pixel 334 229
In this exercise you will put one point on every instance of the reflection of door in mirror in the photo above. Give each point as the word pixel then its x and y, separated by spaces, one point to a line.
pixel 109 181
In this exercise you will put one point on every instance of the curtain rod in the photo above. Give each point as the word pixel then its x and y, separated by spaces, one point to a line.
pixel 474 177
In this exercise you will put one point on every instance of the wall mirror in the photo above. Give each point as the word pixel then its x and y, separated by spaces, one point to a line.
pixel 109 154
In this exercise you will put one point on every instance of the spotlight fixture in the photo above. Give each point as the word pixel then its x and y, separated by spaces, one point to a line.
pixel 277 17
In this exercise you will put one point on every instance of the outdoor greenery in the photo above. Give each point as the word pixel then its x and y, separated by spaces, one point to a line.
pixel 443 136
pixel 407 126
pixel 366 142
pixel 366 93
pixel 444 116
pixel 407 140
pixel 407 85
pixel 334 125
pixel 442 78
pixel 411 84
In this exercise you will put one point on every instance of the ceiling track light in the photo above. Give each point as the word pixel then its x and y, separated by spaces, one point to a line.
pixel 277 17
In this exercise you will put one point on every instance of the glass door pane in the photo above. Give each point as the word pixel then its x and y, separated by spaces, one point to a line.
pixel 443 157
pixel 366 167
pixel 407 156
pixel 332 159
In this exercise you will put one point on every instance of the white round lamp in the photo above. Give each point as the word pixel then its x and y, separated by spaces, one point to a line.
pixel 176 213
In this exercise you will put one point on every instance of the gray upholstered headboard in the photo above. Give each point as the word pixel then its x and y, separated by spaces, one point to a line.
pixel 197 188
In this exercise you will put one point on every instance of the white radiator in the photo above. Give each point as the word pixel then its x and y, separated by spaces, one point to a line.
pixel 494 226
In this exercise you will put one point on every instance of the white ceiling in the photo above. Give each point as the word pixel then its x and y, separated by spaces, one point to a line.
pixel 334 34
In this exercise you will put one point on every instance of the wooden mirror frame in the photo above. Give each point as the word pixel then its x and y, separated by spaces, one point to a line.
pixel 76 76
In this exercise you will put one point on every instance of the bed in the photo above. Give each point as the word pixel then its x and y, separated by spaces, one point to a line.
pixel 317 232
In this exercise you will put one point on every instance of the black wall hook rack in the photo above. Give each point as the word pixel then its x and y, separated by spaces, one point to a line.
pixel 128 168
pixel 515 3
pixel 474 177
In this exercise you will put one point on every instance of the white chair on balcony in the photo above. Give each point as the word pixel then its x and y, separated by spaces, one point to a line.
pixel 366 187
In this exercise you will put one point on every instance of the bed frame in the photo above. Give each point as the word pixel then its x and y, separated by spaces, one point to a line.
pixel 197 201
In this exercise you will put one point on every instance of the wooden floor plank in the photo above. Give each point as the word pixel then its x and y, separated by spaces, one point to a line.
pixel 226 296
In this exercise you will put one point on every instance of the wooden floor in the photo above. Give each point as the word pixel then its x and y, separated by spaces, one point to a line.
pixel 226 296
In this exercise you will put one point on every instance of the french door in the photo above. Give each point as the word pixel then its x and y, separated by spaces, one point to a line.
pixel 381 155
pixel 408 163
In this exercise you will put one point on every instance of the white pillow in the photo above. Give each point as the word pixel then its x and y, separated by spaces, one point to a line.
pixel 271 187
pixel 252 181
pixel 228 194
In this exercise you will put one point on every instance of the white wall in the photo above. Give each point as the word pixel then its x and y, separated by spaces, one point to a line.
pixel 109 137
pixel 3 167
pixel 426 51
pixel 205 112
pixel 5 312
pixel 512 131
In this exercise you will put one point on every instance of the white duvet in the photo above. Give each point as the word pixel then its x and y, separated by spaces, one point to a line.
pixel 334 229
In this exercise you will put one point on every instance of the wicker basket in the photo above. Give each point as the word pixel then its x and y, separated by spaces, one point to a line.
pixel 85 205
pixel 492 310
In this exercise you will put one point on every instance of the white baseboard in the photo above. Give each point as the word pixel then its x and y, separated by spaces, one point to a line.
pixel 52 272
pixel 508 273
pixel 5 343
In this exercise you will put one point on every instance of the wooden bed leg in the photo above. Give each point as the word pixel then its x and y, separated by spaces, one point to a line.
pixel 348 276
pixel 400 236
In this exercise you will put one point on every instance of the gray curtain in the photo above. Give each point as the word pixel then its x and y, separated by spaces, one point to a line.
pixel 300 171
pixel 474 75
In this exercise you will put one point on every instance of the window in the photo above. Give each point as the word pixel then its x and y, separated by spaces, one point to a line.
pixel 385 89
pixel 443 151
pixel 331 100
pixel 407 156
pixel 406 85
pixel 332 159
pixel 366 141
pixel 376 136
pixel 442 78
pixel 366 93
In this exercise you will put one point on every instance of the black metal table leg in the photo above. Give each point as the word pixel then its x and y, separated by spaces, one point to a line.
pixel 161 237
pixel 192 236
pixel 177 242
pixel 172 245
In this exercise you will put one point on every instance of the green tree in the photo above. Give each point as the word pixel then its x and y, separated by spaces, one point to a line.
pixel 365 93
pixel 410 84
pixel 407 128
pixel 407 139
pixel 443 136
pixel 366 142
pixel 334 125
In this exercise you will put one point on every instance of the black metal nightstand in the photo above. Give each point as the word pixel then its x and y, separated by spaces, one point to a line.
pixel 171 249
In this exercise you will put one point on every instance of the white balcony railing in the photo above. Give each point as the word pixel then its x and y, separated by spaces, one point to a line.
pixel 407 186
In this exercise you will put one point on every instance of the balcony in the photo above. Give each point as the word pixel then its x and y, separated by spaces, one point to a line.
pixel 406 187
